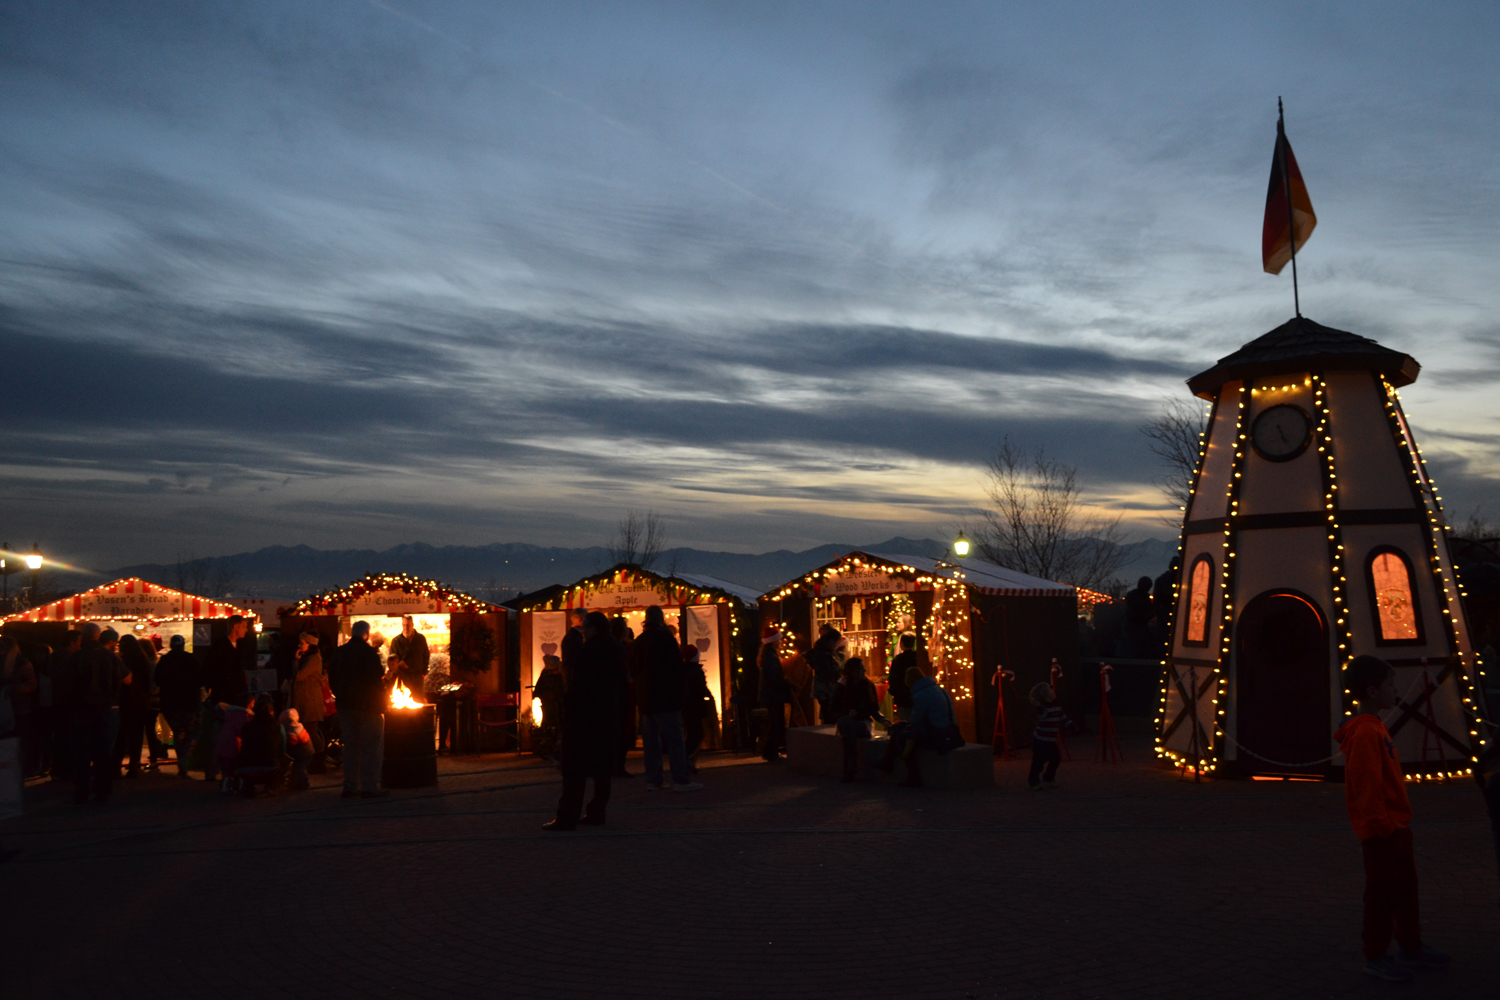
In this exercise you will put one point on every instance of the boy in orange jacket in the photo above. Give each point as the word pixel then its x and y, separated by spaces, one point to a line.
pixel 1375 790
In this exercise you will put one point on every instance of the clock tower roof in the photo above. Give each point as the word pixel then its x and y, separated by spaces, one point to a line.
pixel 1300 345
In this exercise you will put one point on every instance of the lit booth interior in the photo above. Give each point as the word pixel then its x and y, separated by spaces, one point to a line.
pixel 131 607
pixel 465 636
pixel 970 616
pixel 711 614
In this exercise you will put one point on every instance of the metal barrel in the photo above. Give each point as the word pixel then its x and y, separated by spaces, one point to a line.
pixel 410 747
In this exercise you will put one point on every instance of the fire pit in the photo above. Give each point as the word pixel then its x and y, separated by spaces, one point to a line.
pixel 410 742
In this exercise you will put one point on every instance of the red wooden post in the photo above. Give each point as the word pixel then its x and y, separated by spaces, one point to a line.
pixel 1062 744
pixel 1108 749
pixel 1002 729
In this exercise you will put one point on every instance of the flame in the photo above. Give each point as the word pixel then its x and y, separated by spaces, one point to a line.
pixel 401 697
pixel 536 711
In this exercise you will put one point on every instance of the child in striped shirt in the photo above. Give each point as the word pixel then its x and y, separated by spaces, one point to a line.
pixel 1044 752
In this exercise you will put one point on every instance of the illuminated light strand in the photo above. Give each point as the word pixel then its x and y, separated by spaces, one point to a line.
pixel 1337 577
pixel 1167 663
pixel 377 582
pixel 1436 527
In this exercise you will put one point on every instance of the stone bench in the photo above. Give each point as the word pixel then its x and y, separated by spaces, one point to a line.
pixel 818 750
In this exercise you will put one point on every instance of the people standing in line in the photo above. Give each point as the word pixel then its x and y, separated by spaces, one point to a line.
pixel 774 695
pixel 855 703
pixel 1375 793
pixel 410 649
pixel 37 742
pixel 307 695
pixel 358 680
pixel 825 669
pixel 98 677
pixel 899 689
pixel 697 702
pixel 179 683
pixel 63 674
pixel 1045 754
pixel 17 685
pixel 135 711
pixel 620 631
pixel 655 664
pixel 591 721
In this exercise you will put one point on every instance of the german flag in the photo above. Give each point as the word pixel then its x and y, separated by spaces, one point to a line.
pixel 1275 239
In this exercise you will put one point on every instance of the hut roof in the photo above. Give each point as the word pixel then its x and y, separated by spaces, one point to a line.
pixel 127 599
pixel 985 577
pixel 681 588
pixel 1300 345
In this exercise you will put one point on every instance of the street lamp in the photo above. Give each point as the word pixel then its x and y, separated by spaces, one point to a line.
pixel 7 567
pixel 34 563
pixel 961 546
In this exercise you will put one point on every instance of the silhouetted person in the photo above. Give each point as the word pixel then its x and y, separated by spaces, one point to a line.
pixel 854 704
pixel 619 630
pixel 410 648
pixel 896 677
pixel 1139 612
pixel 655 661
pixel 98 677
pixel 179 680
pixel 773 695
pixel 1162 600
pixel 697 702
pixel 825 670
pixel 64 667
pixel 591 725
pixel 358 681
pixel 226 667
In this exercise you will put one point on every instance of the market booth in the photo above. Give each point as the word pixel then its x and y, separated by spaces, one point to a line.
pixel 130 606
pixel 465 636
pixel 710 613
pixel 971 617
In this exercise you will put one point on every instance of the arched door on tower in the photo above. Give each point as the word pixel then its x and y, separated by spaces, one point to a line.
pixel 1282 708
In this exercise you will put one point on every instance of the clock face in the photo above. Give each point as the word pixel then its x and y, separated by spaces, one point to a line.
pixel 1281 433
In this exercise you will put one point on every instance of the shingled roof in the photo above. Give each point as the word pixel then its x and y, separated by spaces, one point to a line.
pixel 1300 345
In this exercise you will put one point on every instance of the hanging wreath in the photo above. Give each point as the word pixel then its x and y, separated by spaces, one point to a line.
pixel 471 647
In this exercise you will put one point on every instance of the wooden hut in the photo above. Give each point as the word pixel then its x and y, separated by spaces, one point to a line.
pixel 468 634
pixel 1314 535
pixel 972 617
pixel 712 614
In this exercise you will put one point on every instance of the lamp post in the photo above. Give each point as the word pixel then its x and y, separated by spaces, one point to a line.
pixel 34 563
pixel 7 567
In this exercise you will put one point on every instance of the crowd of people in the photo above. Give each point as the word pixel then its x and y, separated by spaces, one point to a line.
pixel 605 681
pixel 107 706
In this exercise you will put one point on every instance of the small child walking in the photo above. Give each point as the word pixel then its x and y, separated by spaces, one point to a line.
pixel 1375 792
pixel 1045 756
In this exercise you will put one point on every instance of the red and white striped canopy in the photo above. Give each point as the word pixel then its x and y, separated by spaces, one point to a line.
pixel 128 599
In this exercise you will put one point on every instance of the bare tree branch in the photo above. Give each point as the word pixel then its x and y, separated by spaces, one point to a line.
pixel 638 539
pixel 1177 439
pixel 1479 528
pixel 1035 522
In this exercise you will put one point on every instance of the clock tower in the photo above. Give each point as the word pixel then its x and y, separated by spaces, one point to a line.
pixel 1314 535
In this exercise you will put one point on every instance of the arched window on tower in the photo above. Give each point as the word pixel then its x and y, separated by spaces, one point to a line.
pixel 1200 588
pixel 1393 595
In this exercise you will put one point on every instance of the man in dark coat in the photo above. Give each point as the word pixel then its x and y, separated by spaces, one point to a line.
pixel 825 666
pixel 98 677
pixel 591 725
pixel 358 682
pixel 410 648
pixel 1162 598
pixel 896 681
pixel 774 693
pixel 64 667
pixel 179 678
pixel 226 677
pixel 655 662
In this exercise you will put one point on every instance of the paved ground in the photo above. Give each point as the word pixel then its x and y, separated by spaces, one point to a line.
pixel 1124 883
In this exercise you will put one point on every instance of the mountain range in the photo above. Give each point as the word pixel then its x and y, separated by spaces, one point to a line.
pixel 500 571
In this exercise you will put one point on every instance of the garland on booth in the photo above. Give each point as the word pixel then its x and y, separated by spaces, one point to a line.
pixel 375 583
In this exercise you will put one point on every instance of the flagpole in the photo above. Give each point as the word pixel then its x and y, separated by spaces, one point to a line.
pixel 1286 186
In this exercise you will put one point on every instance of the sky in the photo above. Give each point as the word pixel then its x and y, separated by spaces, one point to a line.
pixel 352 273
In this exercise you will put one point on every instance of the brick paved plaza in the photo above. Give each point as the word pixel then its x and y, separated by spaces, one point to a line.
pixel 1123 883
